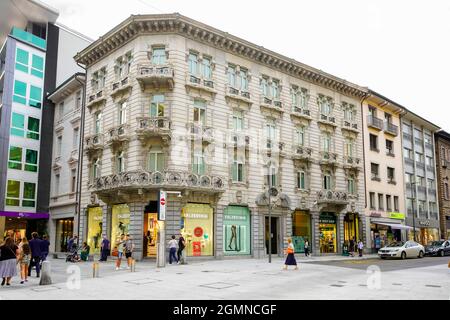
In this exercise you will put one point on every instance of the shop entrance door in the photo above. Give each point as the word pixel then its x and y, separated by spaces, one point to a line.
pixel 274 240
pixel 151 234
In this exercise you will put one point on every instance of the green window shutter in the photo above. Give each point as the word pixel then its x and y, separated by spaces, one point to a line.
pixel 33 128
pixel 31 160
pixel 35 97
pixel 20 92
pixel 29 194
pixel 13 193
pixel 152 166
pixel 15 158
pixel 18 125
pixel 234 172
pixel 160 162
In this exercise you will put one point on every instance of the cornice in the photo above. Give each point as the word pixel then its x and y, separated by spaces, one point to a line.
pixel 138 25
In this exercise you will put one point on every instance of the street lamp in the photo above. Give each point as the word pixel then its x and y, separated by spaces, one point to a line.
pixel 413 185
pixel 273 192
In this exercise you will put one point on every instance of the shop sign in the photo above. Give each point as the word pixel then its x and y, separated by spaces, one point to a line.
pixel 122 216
pixel 198 232
pixel 397 215
pixel 235 218
pixel 327 218
pixel 196 216
pixel 375 214
pixel 425 223
pixel 162 206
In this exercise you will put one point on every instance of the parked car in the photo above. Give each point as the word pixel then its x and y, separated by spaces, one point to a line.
pixel 438 248
pixel 403 250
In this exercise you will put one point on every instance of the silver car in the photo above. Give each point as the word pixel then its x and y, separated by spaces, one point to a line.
pixel 403 250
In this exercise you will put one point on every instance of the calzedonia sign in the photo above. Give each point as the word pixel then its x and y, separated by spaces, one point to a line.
pixel 397 215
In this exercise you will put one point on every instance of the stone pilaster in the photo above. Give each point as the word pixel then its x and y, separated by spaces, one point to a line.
pixel 136 228
pixel 340 231
pixel 218 227
pixel 315 232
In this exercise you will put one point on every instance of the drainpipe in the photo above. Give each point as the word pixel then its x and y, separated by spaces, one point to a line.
pixel 80 149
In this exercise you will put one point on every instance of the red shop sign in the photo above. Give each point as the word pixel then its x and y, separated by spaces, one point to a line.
pixel 198 232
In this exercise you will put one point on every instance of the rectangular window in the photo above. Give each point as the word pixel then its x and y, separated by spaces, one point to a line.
pixel 33 128
pixel 29 195
pixel 75 138
pixel 275 89
pixel 271 176
pixel 270 134
pixel 264 86
pixel 37 66
pixel 349 147
pixel 18 125
pixel 232 76
pixel 396 207
pixel 15 158
pixel 388 203
pixel 391 174
pixel 98 123
pixel 200 112
pixel 372 111
pixel 198 163
pixel 22 58
pixel 57 184
pixel 13 193
pixel 380 202
pixel 78 100
pixel 238 121
pixel 73 181
pixel 244 79
pixel 31 160
pixel 206 67
pixel 159 56
pixel 326 143
pixel 20 92
pixel 300 136
pixel 351 185
pixel 372 200
pixel 374 169
pixel 156 161
pixel 122 113
pixel 193 64
pixel 120 161
pixel 407 153
pixel 301 180
pixel 389 147
pixel 373 142
pixel 327 182
pixel 238 170
pixel 58 146
pixel 61 110
pixel 35 97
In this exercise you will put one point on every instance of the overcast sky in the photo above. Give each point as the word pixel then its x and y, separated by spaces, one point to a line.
pixel 400 48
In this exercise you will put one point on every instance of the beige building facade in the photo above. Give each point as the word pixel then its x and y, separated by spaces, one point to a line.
pixel 385 200
pixel 175 105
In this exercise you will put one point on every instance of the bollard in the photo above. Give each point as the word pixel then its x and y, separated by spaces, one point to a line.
pixel 95 270
pixel 133 265
pixel 449 263
pixel 46 274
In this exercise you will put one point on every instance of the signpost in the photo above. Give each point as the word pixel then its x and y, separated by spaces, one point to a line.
pixel 161 256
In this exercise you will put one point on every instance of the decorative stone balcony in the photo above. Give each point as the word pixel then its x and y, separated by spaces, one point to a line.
pixel 118 135
pixel 301 153
pixel 200 83
pixel 350 125
pixel 201 132
pixel 238 140
pixel 301 113
pixel 121 86
pixel 374 122
pixel 330 197
pixel 154 127
pixel 327 119
pixel 390 129
pixel 352 163
pixel 96 99
pixel 328 158
pixel 170 179
pixel 94 143
pixel 155 76
pixel 237 94
pixel 271 105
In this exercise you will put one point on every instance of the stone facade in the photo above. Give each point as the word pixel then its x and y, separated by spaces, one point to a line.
pixel 305 139
pixel 442 139
pixel 66 140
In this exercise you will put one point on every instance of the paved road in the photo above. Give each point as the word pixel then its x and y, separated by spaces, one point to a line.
pixel 388 264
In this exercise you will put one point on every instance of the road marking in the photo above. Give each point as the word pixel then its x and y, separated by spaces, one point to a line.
pixel 143 281
pixel 432 286
pixel 219 285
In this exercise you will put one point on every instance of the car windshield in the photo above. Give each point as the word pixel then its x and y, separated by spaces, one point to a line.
pixel 437 243
pixel 396 244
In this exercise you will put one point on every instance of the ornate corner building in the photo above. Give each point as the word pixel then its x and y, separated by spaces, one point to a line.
pixel 176 105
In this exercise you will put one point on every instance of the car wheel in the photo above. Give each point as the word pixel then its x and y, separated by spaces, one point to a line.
pixel 421 254
pixel 403 255
pixel 442 253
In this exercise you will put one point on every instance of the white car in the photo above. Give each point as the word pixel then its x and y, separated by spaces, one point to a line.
pixel 403 250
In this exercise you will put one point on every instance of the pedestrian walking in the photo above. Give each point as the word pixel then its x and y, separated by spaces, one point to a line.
pixel 351 248
pixel 290 259
pixel 8 261
pixel 36 254
pixel 120 249
pixel 24 259
pixel 129 248
pixel 306 248
pixel 45 245
pixel 104 249
pixel 360 247
pixel 181 246
pixel 172 250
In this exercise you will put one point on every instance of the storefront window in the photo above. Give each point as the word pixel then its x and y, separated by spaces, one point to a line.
pixel 301 230
pixel 197 229
pixel 120 223
pixel 351 227
pixel 327 232
pixel 151 228
pixel 236 230
pixel 428 235
pixel 64 231
pixel 95 223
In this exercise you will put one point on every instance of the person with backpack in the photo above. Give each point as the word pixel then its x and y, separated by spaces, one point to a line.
pixel 24 259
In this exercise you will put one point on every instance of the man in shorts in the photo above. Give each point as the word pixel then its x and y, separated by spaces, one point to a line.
pixel 129 248
pixel 120 250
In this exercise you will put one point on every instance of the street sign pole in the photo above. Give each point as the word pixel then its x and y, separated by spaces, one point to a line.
pixel 161 248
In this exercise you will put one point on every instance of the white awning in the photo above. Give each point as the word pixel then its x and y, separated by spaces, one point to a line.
pixel 397 226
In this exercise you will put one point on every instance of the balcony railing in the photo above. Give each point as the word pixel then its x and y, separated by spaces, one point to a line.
pixel 155 76
pixel 121 86
pixel 171 179
pixel 352 162
pixel 199 82
pixel 390 128
pixel 94 142
pixel 201 132
pixel 153 126
pixel 119 134
pixel 96 98
pixel 271 103
pixel 327 157
pixel 374 122
pixel 332 197
pixel 239 94
pixel 301 152
pixel 327 119
pixel 351 125
pixel 301 112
